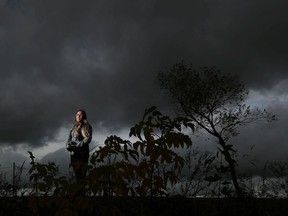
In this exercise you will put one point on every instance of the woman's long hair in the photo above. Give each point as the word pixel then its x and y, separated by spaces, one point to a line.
pixel 84 123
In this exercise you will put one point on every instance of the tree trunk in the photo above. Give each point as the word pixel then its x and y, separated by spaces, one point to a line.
pixel 231 164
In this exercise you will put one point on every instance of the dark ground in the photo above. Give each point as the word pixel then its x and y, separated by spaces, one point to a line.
pixel 141 206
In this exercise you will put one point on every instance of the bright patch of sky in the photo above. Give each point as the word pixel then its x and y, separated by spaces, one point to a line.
pixel 269 97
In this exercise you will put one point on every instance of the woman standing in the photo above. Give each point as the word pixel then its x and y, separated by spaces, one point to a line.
pixel 78 144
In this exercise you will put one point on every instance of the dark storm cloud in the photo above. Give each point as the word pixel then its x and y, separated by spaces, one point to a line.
pixel 249 37
pixel 58 56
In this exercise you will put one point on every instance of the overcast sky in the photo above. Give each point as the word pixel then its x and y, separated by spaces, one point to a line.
pixel 103 56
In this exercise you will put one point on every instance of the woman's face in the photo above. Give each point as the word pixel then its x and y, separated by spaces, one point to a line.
pixel 79 116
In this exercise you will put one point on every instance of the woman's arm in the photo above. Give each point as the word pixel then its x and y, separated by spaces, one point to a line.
pixel 87 134
pixel 69 145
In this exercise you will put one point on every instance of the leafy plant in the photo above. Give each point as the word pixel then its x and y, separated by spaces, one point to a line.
pixel 46 184
pixel 146 166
